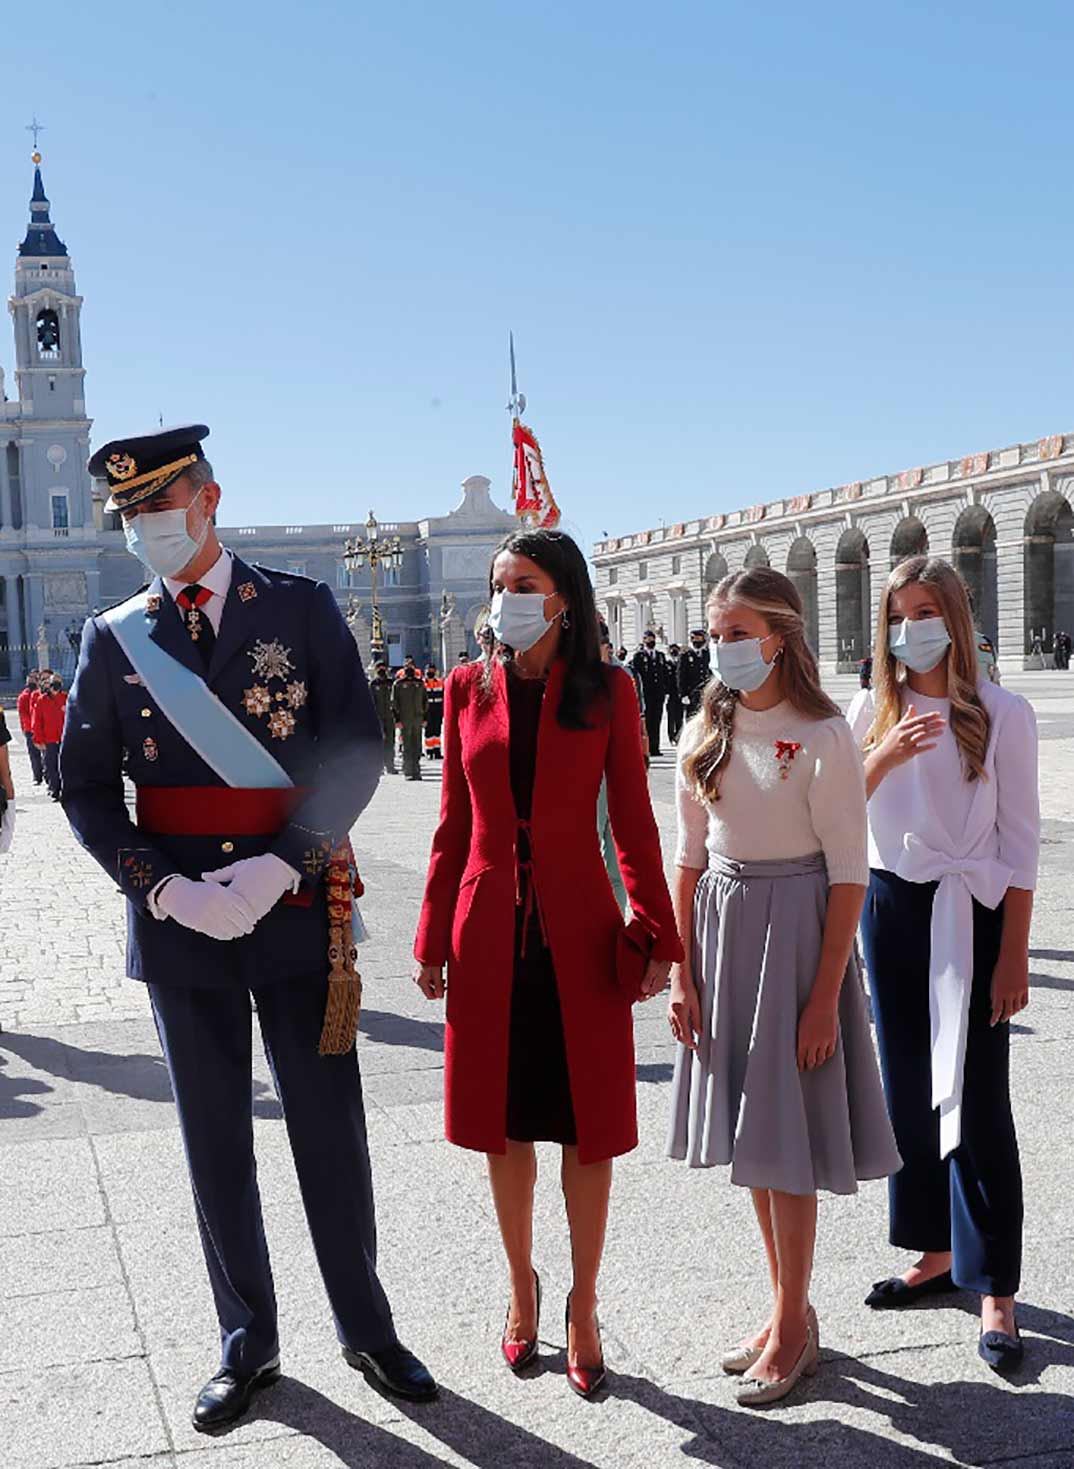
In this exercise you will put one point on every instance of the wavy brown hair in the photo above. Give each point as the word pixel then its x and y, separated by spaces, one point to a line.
pixel 710 735
pixel 969 718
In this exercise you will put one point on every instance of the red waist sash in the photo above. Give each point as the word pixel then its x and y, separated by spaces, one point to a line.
pixel 216 811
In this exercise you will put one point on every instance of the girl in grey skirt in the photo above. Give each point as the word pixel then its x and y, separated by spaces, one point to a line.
pixel 776 1073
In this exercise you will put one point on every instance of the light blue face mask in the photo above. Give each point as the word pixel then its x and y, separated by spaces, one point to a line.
pixel 517 619
pixel 161 540
pixel 740 665
pixel 920 643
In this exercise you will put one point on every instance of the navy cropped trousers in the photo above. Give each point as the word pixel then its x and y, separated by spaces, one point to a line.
pixel 971 1201
pixel 206 1038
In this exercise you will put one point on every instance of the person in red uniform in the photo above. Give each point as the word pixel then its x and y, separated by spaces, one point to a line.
pixel 539 1043
pixel 24 704
pixel 48 713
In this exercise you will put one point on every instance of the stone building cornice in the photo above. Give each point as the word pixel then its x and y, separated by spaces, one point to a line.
pixel 971 475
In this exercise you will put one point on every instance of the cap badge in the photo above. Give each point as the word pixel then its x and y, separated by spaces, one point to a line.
pixel 121 467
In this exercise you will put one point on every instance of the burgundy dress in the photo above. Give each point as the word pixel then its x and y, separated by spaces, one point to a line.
pixel 539 1107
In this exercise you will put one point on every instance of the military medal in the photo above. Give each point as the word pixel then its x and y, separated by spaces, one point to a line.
pixel 149 749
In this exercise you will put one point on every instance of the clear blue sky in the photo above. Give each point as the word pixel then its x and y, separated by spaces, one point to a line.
pixel 746 249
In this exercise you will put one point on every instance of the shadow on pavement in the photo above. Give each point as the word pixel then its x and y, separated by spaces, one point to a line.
pixel 481 1437
pixel 140 1076
pixel 402 1030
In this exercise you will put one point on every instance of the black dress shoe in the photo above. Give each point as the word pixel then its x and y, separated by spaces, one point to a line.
pixel 892 1294
pixel 397 1371
pixel 1003 1353
pixel 226 1396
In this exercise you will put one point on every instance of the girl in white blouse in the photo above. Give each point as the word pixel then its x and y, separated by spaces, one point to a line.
pixel 954 832
pixel 775 1073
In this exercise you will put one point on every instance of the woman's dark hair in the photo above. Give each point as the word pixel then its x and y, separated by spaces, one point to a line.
pixel 586 679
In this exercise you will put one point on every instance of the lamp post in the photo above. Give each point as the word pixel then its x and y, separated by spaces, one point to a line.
pixel 376 551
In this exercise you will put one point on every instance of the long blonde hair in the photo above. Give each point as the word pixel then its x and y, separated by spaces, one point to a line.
pixel 708 737
pixel 969 718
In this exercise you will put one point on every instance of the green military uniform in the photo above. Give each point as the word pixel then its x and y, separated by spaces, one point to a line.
pixel 410 703
pixel 381 688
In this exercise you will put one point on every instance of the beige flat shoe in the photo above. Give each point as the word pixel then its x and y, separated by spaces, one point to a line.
pixel 741 1359
pixel 756 1394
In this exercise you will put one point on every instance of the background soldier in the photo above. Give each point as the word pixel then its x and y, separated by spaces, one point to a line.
pixel 674 700
pixel 238 696
pixel 651 669
pixel 381 689
pixel 410 701
pixel 694 671
pixel 434 718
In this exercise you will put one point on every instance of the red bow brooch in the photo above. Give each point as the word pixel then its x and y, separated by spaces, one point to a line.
pixel 785 753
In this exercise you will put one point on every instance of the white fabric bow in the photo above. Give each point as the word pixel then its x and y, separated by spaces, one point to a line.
pixel 961 879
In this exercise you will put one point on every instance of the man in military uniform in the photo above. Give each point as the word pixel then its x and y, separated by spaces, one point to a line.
pixel 651 669
pixel 381 689
pixel 694 671
pixel 236 695
pixel 410 704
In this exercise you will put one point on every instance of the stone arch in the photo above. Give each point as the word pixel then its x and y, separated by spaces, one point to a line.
pixel 853 602
pixel 756 556
pixel 1048 569
pixel 910 538
pixel 973 555
pixel 802 571
pixel 715 571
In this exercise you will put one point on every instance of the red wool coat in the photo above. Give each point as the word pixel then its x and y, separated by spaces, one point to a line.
pixel 468 916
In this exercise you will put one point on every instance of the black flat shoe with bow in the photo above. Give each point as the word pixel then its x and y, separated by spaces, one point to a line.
pixel 397 1371
pixel 1003 1353
pixel 893 1294
pixel 227 1396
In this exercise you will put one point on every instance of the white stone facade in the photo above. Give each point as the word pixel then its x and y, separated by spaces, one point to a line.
pixel 1004 518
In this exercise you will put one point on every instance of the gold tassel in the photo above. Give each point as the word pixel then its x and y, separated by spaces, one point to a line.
pixel 344 1005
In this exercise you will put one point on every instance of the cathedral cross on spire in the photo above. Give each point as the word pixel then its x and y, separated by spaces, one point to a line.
pixel 35 127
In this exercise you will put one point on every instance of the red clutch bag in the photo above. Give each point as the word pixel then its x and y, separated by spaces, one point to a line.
pixel 634 949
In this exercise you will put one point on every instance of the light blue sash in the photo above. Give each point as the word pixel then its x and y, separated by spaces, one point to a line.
pixel 188 703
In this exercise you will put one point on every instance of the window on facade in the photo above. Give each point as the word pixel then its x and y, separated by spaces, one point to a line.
pixel 389 576
pixel 643 571
pixel 59 512
pixel 297 568
pixel 676 565
pixel 344 578
pixel 14 480
pixel 613 575
pixel 48 333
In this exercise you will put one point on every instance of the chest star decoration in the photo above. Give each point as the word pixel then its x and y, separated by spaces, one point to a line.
pixel 271 660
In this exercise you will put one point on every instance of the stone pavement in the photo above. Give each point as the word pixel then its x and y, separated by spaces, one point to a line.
pixel 108 1329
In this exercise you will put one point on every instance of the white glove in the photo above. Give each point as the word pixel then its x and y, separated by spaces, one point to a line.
pixel 259 881
pixel 205 907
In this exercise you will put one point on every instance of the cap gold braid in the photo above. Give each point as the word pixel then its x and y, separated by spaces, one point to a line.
pixel 146 484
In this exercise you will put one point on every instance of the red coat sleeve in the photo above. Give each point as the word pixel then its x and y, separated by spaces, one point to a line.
pixel 634 830
pixel 451 841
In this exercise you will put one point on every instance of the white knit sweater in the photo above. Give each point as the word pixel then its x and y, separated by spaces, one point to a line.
pixel 778 801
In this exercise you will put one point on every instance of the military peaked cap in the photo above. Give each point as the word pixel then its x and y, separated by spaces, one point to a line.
pixel 136 468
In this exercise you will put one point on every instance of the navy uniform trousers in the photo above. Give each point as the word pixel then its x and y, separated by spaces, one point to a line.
pixel 971 1201
pixel 206 1038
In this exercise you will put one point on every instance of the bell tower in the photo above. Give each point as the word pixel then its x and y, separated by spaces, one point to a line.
pixel 54 430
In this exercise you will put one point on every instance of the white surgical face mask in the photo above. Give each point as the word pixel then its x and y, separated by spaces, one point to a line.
pixel 740 665
pixel 517 618
pixel 161 540
pixel 919 644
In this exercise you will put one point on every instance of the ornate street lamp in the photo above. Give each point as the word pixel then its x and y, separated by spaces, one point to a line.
pixel 375 551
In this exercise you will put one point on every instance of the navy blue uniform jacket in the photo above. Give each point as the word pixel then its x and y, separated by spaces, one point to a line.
pixel 329 740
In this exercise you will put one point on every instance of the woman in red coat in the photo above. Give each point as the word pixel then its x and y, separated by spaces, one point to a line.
pixel 519 906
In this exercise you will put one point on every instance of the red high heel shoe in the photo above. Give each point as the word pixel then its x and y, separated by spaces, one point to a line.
pixel 519 1354
pixel 586 1381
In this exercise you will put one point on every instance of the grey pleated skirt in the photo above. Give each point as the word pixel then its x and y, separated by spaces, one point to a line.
pixel 740 1098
